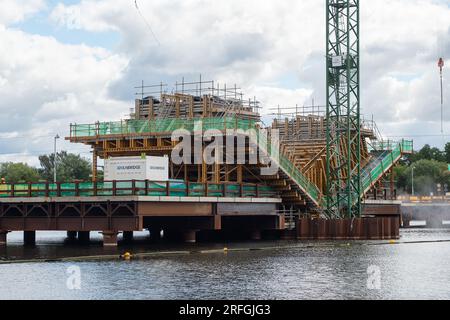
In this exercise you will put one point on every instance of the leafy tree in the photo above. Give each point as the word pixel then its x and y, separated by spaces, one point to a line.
pixel 18 172
pixel 69 167
pixel 427 174
pixel 425 153
pixel 400 174
pixel 428 153
pixel 437 155
pixel 447 152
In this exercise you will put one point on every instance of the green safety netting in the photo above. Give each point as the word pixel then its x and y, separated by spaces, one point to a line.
pixel 178 189
pixel 391 153
pixel 159 126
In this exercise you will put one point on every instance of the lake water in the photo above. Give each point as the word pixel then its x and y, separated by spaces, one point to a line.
pixel 295 270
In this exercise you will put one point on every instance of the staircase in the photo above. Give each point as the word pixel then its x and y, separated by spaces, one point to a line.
pixel 387 155
pixel 295 186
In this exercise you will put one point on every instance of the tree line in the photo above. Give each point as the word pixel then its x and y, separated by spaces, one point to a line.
pixel 69 166
pixel 428 168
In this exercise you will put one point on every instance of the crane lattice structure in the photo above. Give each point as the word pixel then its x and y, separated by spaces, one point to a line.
pixel 343 110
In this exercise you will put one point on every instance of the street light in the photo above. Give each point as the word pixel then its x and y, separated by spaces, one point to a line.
pixel 412 180
pixel 54 159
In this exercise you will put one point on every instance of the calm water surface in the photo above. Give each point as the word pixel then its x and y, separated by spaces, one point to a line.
pixel 318 270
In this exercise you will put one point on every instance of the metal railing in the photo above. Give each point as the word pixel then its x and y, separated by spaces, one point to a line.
pixel 393 151
pixel 168 125
pixel 137 188
pixel 309 188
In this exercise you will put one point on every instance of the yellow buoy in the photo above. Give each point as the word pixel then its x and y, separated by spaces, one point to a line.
pixel 127 256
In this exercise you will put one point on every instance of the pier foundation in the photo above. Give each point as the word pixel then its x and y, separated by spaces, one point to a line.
pixel 189 236
pixel 380 228
pixel 109 238
pixel 155 234
pixel 71 235
pixel 84 237
pixel 3 237
pixel 29 238
pixel 255 235
pixel 128 236
pixel 406 223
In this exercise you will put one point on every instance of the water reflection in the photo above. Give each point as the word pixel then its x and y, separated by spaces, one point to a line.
pixel 320 270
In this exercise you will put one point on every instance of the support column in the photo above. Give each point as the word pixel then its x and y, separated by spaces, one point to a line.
pixel 217 223
pixel 189 236
pixel 29 238
pixel 155 234
pixel 71 235
pixel 110 238
pixel 128 236
pixel 94 165
pixel 256 235
pixel 84 237
pixel 406 223
pixel 3 237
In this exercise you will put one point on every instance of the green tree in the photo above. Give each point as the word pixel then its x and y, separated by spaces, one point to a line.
pixel 425 153
pixel 70 167
pixel 399 172
pixel 447 152
pixel 427 174
pixel 437 155
pixel 18 172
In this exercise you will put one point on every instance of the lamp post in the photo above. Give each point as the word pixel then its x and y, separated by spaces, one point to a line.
pixel 54 159
pixel 412 180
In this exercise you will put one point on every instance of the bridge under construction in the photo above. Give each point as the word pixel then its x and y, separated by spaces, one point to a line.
pixel 330 164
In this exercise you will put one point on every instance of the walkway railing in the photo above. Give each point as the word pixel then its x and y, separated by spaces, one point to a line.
pixel 137 188
pixel 130 127
pixel 289 168
pixel 393 151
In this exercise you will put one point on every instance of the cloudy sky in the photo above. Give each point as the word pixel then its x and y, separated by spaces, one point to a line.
pixel 74 61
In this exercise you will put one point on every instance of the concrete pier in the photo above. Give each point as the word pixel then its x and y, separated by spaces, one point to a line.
pixel 155 234
pixel 189 236
pixel 110 238
pixel 71 235
pixel 3 237
pixel 29 238
pixel 84 237
pixel 128 236
pixel 255 235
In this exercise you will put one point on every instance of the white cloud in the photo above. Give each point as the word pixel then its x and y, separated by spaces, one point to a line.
pixel 45 85
pixel 13 11
pixel 271 49
pixel 254 43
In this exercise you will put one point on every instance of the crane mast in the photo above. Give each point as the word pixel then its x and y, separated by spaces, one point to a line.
pixel 343 198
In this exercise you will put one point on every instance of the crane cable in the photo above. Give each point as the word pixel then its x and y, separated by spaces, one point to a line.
pixel 441 66
pixel 146 22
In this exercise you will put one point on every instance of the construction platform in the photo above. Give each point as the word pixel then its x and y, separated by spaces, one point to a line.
pixel 231 194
